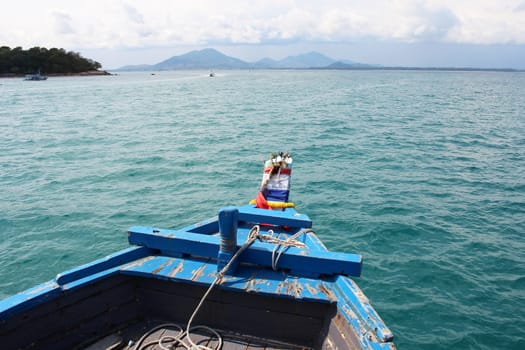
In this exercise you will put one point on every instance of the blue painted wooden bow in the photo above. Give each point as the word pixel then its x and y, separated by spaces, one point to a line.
pixel 234 224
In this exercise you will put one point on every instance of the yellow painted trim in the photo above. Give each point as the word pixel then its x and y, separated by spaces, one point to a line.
pixel 273 204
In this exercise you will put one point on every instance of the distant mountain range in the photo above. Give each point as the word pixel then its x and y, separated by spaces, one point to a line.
pixel 213 59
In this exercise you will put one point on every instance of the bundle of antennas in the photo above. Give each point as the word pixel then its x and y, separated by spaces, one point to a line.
pixel 275 185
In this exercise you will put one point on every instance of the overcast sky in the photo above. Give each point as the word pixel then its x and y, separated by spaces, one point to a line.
pixel 467 33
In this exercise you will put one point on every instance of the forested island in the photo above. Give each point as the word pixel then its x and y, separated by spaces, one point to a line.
pixel 17 62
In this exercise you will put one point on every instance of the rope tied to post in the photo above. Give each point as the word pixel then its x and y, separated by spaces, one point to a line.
pixel 254 234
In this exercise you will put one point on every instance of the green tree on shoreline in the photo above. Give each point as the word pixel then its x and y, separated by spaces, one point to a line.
pixel 49 61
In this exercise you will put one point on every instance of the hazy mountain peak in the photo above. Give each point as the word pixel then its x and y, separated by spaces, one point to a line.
pixel 201 59
pixel 307 60
pixel 210 58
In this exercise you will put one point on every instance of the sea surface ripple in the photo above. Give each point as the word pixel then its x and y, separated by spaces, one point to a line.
pixel 423 173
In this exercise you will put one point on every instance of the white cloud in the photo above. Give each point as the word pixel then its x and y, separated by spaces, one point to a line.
pixel 139 23
pixel 133 14
pixel 63 23
pixel 520 7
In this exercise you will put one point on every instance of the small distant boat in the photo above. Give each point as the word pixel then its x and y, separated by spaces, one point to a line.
pixel 212 74
pixel 35 76
pixel 254 277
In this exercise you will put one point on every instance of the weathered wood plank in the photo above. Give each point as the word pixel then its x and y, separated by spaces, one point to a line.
pixel 103 264
pixel 299 261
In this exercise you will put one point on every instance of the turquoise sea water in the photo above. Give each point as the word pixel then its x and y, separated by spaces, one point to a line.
pixel 423 173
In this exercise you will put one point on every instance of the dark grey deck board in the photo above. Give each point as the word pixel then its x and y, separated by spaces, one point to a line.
pixel 130 307
pixel 199 339
pixel 236 346
pixel 231 341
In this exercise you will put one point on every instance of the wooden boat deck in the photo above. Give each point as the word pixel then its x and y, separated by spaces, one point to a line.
pixel 129 339
pixel 126 307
